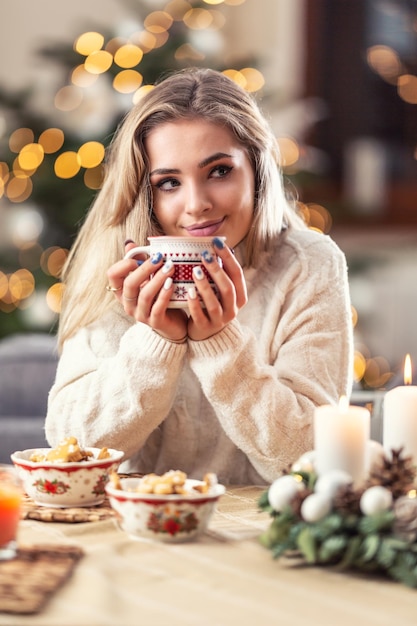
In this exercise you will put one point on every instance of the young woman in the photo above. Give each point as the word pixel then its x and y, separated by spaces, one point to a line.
pixel 230 386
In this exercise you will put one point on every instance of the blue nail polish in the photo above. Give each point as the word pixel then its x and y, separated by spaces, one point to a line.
pixel 198 272
pixel 140 262
pixel 219 243
pixel 156 258
pixel 207 256
pixel 168 265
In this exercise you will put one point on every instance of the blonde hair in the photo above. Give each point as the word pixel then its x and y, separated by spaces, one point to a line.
pixel 123 207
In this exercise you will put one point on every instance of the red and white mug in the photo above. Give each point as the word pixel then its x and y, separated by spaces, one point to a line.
pixel 185 253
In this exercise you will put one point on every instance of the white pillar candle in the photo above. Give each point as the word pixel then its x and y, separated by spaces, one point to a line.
pixel 400 416
pixel 341 434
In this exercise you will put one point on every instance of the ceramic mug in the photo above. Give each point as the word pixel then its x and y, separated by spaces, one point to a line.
pixel 185 252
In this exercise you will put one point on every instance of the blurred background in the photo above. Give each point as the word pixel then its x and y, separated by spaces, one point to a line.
pixel 337 78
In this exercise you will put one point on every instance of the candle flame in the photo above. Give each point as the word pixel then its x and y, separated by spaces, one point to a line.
pixel 408 374
pixel 343 403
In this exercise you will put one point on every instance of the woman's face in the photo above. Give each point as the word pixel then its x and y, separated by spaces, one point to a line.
pixel 202 181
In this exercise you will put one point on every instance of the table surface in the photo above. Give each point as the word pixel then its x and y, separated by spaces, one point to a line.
pixel 224 578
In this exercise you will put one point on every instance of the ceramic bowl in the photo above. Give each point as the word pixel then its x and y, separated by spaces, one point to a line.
pixel 65 485
pixel 168 518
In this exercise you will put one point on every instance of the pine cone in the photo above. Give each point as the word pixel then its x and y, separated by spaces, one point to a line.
pixel 405 524
pixel 396 474
pixel 298 499
pixel 347 500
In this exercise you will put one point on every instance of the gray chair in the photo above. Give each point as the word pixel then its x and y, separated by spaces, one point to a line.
pixel 27 371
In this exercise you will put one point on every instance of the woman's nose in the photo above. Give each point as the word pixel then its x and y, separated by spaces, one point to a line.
pixel 196 200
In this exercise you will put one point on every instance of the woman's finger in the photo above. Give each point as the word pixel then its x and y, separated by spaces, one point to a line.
pixel 234 270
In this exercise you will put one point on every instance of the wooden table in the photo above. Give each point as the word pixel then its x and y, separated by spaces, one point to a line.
pixel 226 578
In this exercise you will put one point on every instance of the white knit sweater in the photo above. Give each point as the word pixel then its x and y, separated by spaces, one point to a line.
pixel 240 403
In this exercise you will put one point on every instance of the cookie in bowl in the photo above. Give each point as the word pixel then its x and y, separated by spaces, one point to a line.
pixel 168 508
pixel 68 475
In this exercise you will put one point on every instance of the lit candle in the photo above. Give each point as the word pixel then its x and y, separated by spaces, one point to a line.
pixel 400 416
pixel 341 434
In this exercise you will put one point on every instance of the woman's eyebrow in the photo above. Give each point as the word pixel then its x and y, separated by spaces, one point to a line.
pixel 165 170
pixel 214 157
pixel 210 159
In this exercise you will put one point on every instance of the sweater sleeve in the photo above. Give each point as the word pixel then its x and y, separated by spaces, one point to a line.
pixel 115 384
pixel 264 384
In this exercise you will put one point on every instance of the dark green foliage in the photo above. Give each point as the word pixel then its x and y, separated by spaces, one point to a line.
pixel 342 540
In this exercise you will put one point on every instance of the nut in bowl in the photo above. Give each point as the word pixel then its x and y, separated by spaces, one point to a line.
pixel 168 516
pixel 54 481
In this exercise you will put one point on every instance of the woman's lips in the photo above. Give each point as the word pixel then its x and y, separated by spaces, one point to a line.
pixel 205 230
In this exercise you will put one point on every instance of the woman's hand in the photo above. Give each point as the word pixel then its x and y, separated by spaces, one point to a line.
pixel 222 309
pixel 144 291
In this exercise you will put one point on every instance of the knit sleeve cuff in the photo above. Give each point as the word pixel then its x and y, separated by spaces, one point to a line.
pixel 153 345
pixel 229 337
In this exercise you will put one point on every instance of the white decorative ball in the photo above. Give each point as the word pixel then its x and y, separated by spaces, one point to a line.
pixel 330 482
pixel 282 491
pixel 315 507
pixel 375 500
pixel 375 454
pixel 306 462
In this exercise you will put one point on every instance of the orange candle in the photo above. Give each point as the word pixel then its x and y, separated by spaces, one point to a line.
pixel 10 505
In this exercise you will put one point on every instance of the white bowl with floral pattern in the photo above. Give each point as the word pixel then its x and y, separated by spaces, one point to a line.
pixel 167 518
pixel 66 485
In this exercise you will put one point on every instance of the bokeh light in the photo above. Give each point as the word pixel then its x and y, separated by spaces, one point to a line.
pixel 177 9
pixel 158 22
pixel 26 225
pixel 385 62
pixel 88 42
pixel 19 138
pixel 51 140
pixel 289 151
pixel 127 81
pixel 19 189
pixel 377 372
pixel 128 56
pixel 54 297
pixel 52 260
pixel 93 177
pixel 407 88
pixel 81 78
pixel 359 366
pixel 198 19
pixel 91 154
pixel 141 92
pixel 98 62
pixel 31 156
pixel 67 164
pixel 254 79
pixel 68 98
pixel 146 40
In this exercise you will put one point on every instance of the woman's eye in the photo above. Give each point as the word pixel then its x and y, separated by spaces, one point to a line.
pixel 220 171
pixel 167 184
